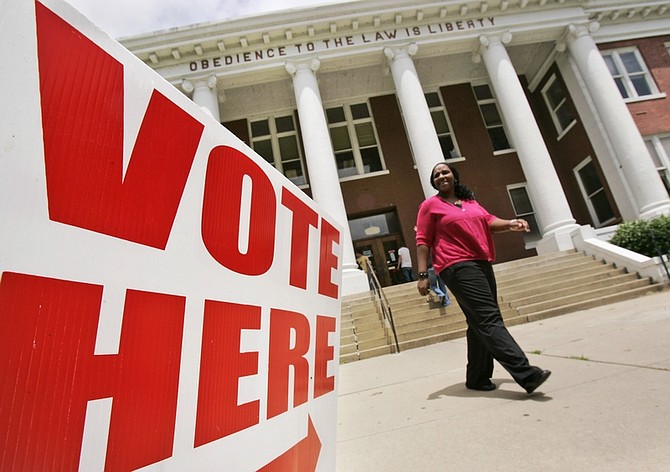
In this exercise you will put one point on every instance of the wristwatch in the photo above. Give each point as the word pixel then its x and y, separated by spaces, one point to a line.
pixel 423 275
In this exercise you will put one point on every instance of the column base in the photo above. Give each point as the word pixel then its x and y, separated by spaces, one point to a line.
pixel 558 240
pixel 655 210
pixel 354 281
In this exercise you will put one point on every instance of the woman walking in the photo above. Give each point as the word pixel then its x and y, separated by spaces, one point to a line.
pixel 457 231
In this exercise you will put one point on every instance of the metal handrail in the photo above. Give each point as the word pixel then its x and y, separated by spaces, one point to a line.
pixel 380 298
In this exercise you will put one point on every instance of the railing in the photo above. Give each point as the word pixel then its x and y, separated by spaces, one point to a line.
pixel 660 254
pixel 382 303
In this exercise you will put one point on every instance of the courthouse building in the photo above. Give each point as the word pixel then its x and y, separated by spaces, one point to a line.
pixel 552 110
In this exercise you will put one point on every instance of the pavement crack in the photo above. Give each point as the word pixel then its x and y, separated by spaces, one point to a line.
pixel 581 358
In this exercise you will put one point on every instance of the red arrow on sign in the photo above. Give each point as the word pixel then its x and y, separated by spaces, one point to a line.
pixel 300 458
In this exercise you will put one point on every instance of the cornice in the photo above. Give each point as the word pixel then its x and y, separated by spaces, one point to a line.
pixel 177 45
pixel 621 20
pixel 180 53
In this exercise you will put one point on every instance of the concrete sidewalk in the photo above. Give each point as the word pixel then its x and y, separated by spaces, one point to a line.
pixel 606 406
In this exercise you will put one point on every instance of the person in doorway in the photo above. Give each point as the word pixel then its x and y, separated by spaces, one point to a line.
pixel 405 264
pixel 457 231
pixel 365 265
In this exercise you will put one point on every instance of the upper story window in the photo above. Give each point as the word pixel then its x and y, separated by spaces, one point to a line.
pixel 557 103
pixel 659 149
pixel 445 135
pixel 523 208
pixel 276 140
pixel 492 118
pixel 630 73
pixel 354 138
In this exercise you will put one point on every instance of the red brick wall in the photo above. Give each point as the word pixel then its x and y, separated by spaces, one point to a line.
pixel 400 189
pixel 651 116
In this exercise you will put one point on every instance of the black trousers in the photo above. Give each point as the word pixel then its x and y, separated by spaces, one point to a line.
pixel 474 286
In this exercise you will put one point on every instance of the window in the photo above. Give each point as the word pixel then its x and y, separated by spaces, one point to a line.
pixel 354 138
pixel 659 148
pixel 523 208
pixel 374 226
pixel 276 140
pixel 438 113
pixel 594 193
pixel 492 117
pixel 559 108
pixel 630 73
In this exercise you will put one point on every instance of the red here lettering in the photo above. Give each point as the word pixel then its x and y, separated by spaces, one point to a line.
pixel 48 329
pixel 303 218
pixel 283 355
pixel 82 93
pixel 323 354
pixel 221 366
pixel 222 212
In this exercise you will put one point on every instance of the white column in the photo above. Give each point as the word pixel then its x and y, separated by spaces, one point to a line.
pixel 636 164
pixel 545 188
pixel 418 122
pixel 204 94
pixel 320 159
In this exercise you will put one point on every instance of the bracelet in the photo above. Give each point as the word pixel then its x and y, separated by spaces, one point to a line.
pixel 423 275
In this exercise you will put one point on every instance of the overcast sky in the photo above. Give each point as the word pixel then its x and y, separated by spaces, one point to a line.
pixel 120 18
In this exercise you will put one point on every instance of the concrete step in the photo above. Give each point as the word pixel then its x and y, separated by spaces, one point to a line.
pixel 586 304
pixel 579 286
pixel 560 270
pixel 521 291
pixel 529 289
pixel 582 295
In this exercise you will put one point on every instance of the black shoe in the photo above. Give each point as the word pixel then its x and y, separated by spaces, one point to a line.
pixel 536 380
pixel 484 388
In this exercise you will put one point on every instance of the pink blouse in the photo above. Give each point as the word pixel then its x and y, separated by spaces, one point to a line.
pixel 455 234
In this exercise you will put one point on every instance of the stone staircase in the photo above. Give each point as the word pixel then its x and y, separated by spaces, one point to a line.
pixel 529 289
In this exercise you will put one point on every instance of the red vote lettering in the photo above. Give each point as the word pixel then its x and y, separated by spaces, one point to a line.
pixel 82 93
pixel 303 218
pixel 222 211
pixel 328 260
pixel 48 329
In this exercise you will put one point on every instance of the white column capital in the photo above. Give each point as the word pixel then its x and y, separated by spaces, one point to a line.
pixel 312 65
pixel 204 93
pixel 393 53
pixel 485 41
pixel 189 86
pixel 574 31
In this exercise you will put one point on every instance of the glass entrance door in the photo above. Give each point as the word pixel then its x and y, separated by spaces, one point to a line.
pixel 383 254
